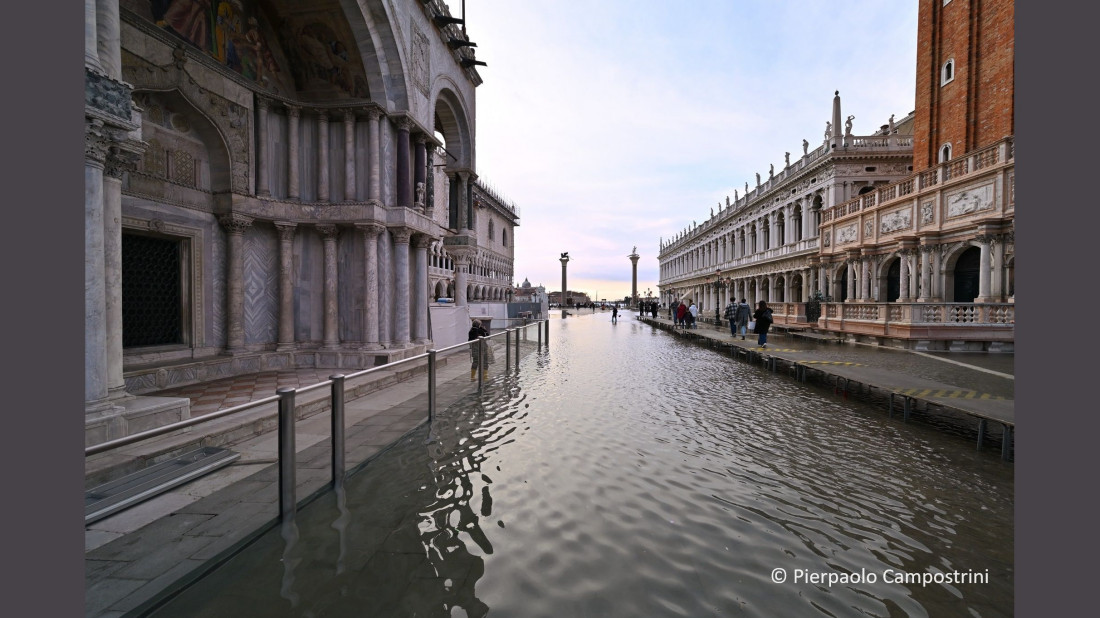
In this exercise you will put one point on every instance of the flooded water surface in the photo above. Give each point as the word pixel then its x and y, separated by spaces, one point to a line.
pixel 624 472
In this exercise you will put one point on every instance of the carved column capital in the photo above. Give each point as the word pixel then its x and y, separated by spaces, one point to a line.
pixel 97 143
pixel 327 230
pixel 401 235
pixel 286 230
pixel 422 241
pixel 263 103
pixel 119 161
pixel 421 138
pixel 373 113
pixel 371 229
pixel 322 116
pixel 235 223
pixel 349 115
pixel 293 111
pixel 403 123
pixel 986 239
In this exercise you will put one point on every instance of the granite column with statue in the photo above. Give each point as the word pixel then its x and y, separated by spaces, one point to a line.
pixel 634 257
pixel 564 259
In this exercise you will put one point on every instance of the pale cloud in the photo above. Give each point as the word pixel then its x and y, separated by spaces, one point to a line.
pixel 616 123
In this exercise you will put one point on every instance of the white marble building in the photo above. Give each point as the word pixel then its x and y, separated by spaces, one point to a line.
pixel 763 245
pixel 263 191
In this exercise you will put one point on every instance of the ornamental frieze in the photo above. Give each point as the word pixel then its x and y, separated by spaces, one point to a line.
pixel 970 200
pixel 106 95
pixel 896 220
pixel 846 234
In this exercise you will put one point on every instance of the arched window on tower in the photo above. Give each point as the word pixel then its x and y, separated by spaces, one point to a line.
pixel 947 73
pixel 945 152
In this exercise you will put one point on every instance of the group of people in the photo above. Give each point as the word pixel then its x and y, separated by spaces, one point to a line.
pixel 684 314
pixel 648 308
pixel 737 314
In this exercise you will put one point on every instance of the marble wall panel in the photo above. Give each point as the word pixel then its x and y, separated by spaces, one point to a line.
pixel 261 284
pixel 309 292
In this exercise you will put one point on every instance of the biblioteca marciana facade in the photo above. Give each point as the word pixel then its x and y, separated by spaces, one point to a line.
pixel 905 236
pixel 275 185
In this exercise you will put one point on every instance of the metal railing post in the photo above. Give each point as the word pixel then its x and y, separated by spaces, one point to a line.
pixel 288 503
pixel 431 385
pixel 482 363
pixel 547 334
pixel 338 441
pixel 538 326
pixel 507 349
pixel 517 346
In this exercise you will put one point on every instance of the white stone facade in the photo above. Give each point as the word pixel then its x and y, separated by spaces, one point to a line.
pixel 267 184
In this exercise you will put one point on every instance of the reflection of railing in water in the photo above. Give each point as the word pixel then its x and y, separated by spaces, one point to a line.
pixel 286 404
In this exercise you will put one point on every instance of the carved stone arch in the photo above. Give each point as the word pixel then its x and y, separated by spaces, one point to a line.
pixel 441 289
pixel 380 49
pixel 450 118
pixel 232 121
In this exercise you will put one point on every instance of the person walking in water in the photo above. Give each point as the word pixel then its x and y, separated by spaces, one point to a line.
pixel 763 317
pixel 681 309
pixel 731 316
pixel 693 313
pixel 742 317
pixel 614 314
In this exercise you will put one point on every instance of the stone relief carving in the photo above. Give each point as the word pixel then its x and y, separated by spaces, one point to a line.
pixel 897 220
pixel 927 212
pixel 868 229
pixel 420 60
pixel 846 234
pixel 970 200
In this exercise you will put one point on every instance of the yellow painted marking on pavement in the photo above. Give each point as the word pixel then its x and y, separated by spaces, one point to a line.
pixel 927 392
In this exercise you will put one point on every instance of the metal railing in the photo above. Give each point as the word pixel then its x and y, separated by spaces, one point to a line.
pixel 286 396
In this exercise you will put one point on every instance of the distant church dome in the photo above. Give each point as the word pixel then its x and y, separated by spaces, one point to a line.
pixel 526 283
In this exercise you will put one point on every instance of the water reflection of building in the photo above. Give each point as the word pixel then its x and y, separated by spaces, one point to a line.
pixel 263 192
pixel 925 260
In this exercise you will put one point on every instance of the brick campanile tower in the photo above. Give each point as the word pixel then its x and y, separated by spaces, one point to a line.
pixel 965 77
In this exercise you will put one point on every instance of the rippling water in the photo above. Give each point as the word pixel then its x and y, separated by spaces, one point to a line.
pixel 628 473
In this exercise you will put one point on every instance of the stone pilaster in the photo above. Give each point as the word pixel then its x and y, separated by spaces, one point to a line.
pixel 865 280
pixel 851 279
pixel 329 233
pixel 371 301
pixel 349 155
pixel 429 195
pixel 235 226
pixel 984 267
pixel 925 273
pixel 293 113
pixel 91 37
pixel 286 233
pixel 997 289
pixel 322 156
pixel 108 39
pixel 420 289
pixel 903 255
pixel 401 237
pixel 375 138
pixel 263 189
pixel 463 219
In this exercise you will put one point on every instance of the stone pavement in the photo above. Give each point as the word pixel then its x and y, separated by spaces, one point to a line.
pixel 137 557
pixel 980 385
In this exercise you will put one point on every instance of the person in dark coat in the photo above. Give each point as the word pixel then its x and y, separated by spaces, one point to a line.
pixel 615 313
pixel 742 317
pixel 476 330
pixel 763 317
pixel 681 309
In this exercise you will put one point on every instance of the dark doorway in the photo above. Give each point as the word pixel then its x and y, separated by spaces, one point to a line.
pixel 842 285
pixel 967 270
pixel 152 299
pixel 893 282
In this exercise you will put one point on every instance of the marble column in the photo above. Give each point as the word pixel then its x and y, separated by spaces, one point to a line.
pixel 420 288
pixel 429 196
pixel 462 269
pixel 903 255
pixel 865 280
pixel 914 275
pixel 293 113
pixel 375 148
pixel 984 266
pixel 807 283
pixel 852 279
pixel 404 182
pixel 349 155
pixel 322 156
pixel 634 257
pixel 286 285
pixel 401 238
pixel 370 277
pixel 463 220
pixel 96 148
pixel 925 273
pixel 329 233
pixel 116 164
pixel 91 37
pixel 997 289
pixel 420 171
pixel 235 225
pixel 108 40
pixel 263 189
